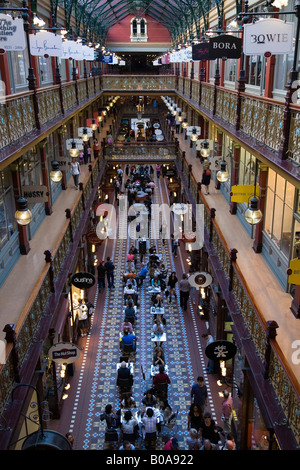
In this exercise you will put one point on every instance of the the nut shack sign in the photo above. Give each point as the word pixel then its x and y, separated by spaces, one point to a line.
pixel 268 37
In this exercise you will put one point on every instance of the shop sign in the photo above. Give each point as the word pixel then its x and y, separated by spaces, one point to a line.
pixel 92 237
pixel 225 47
pixel 221 350
pixel 171 173
pixel 187 54
pixel 35 194
pixel 268 36
pixel 88 53
pixel 45 44
pixel 107 59
pixel 294 272
pixel 72 50
pixel 12 36
pixel 242 192
pixel 77 142
pixel 98 56
pixel 200 279
pixel 83 280
pixel 85 130
pixel 64 353
pixel 190 129
pixel 200 51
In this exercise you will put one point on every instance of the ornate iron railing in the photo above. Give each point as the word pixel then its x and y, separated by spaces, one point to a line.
pixel 280 374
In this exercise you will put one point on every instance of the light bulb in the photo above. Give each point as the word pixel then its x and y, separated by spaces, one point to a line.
pixel 222 174
pixel 23 215
pixel 253 215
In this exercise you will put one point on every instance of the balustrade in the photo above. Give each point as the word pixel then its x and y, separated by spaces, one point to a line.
pixel 280 376
pixel 35 308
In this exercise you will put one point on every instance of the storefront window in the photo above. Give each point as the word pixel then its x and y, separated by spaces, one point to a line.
pixel 19 67
pixel 7 208
pixel 45 70
pixel 246 167
pixel 230 70
pixel 30 168
pixel 279 211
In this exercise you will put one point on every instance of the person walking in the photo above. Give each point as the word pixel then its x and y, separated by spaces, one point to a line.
pixel 199 395
pixel 75 171
pixel 227 412
pixel 174 245
pixel 206 179
pixel 184 290
pixel 171 286
pixel 109 267
pixel 101 276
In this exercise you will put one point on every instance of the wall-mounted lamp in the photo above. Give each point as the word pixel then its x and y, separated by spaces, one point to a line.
pixel 23 215
pixel 55 174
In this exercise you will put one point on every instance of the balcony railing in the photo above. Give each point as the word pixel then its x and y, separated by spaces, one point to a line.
pixel 49 282
pixel 280 374
pixel 260 118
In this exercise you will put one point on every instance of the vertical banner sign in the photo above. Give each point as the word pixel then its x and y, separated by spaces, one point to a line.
pixel 200 51
pixel 45 44
pixel 12 36
pixel 267 36
pixel 225 47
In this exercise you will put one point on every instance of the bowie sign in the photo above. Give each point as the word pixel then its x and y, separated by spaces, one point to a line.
pixel 268 36
pixel 12 36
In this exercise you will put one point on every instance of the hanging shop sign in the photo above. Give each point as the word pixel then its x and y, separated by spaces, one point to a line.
pixel 200 51
pixel 64 353
pixel 88 53
pixel 46 44
pixel 92 237
pixel 83 280
pixel 187 54
pixel 85 130
pixel 293 272
pixel 242 192
pixel 35 194
pixel 98 56
pixel 268 36
pixel 225 47
pixel 200 279
pixel 215 161
pixel 190 130
pixel 77 142
pixel 12 36
pixel 72 50
pixel 221 349
pixel 107 59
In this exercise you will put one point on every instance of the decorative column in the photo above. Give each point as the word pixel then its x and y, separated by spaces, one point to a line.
pixel 45 176
pixel 23 239
pixel 235 174
pixel 61 154
pixel 263 174
pixel 4 72
pixel 220 148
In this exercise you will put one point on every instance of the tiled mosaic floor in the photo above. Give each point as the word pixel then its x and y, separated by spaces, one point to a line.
pixel 94 381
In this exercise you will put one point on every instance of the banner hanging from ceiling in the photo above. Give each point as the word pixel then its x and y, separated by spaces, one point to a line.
pixel 12 36
pixel 268 36
pixel 225 47
pixel 72 50
pixel 45 44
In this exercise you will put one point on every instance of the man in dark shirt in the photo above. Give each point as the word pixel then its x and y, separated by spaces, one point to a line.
pixel 199 394
pixel 101 276
pixel 109 266
pixel 124 373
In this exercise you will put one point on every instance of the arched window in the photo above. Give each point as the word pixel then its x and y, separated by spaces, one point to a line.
pixel 138 30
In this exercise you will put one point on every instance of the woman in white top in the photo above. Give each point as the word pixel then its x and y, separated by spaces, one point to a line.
pixel 128 425
pixel 75 170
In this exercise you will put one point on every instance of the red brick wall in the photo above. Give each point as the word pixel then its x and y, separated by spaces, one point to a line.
pixel 121 32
